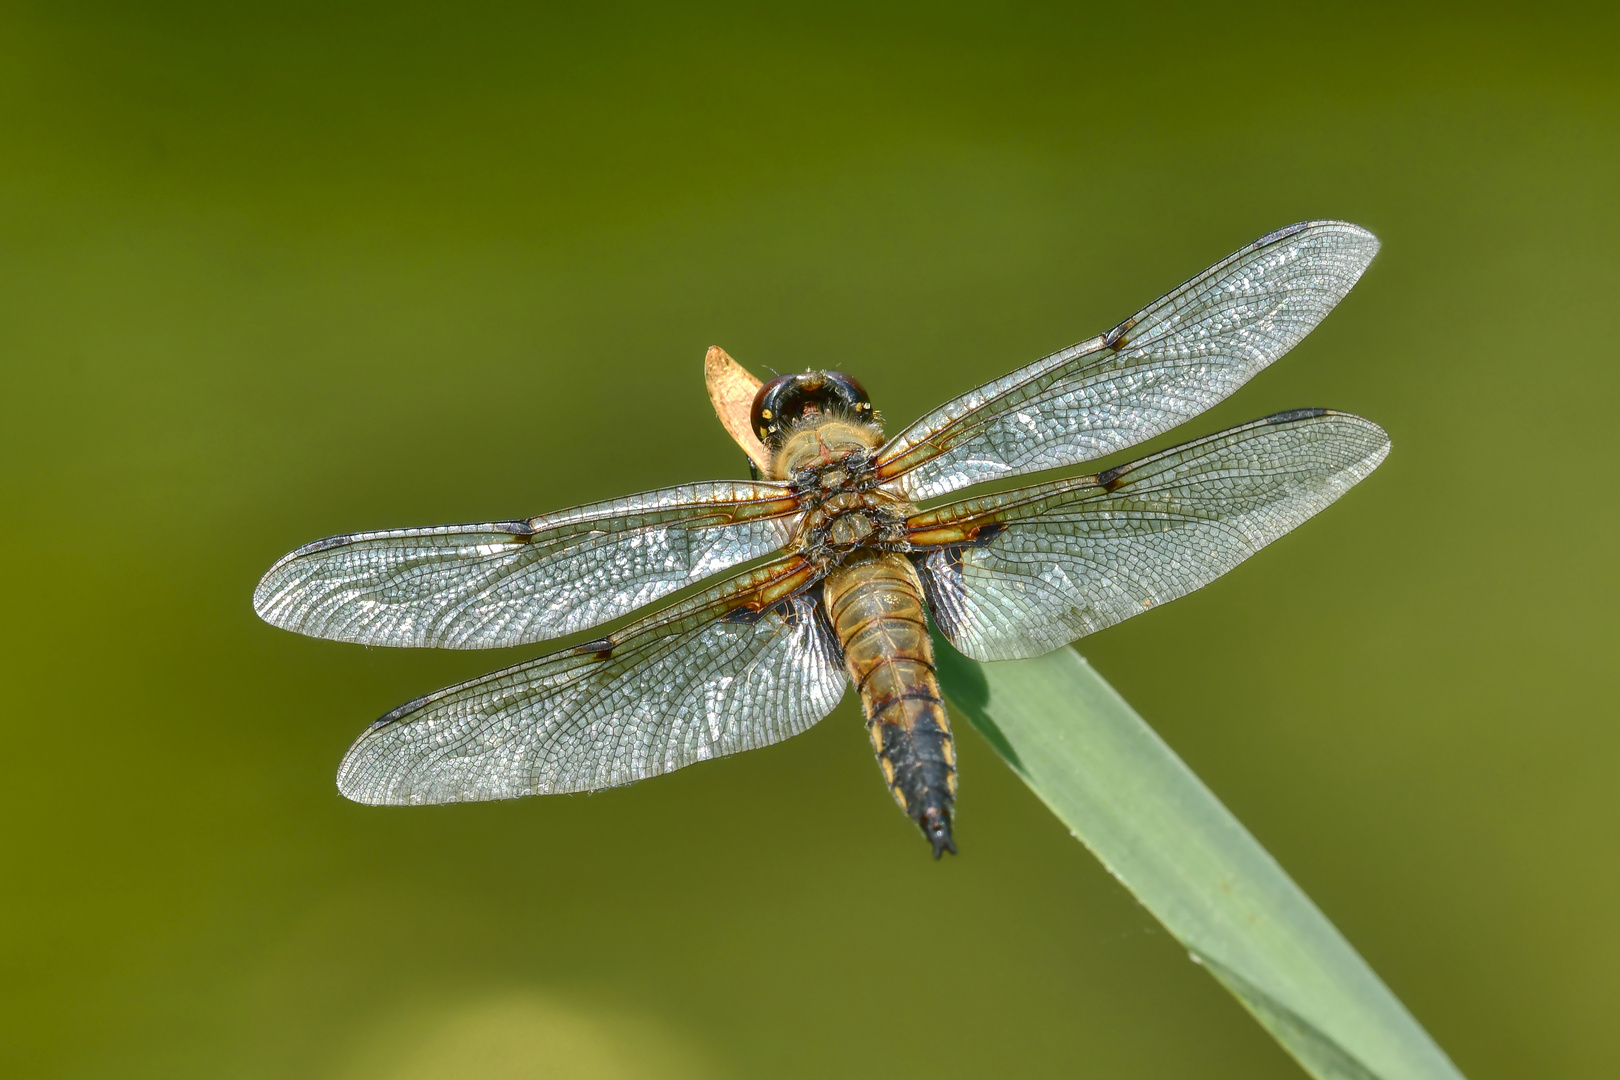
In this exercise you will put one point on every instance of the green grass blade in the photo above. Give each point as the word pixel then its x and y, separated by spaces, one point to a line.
pixel 1161 832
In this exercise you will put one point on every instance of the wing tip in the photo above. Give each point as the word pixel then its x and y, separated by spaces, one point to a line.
pixel 1362 248
pixel 266 596
pixel 266 592
pixel 354 784
pixel 1323 225
pixel 361 797
pixel 1374 447
pixel 1378 442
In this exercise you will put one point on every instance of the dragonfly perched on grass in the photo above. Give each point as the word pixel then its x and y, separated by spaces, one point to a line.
pixel 847 567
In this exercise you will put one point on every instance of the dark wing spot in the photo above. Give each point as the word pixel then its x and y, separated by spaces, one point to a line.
pixel 1295 414
pixel 787 610
pixel 940 571
pixel 326 544
pixel 784 610
pixel 823 624
pixel 401 711
pixel 1112 479
pixel 945 560
pixel 943 589
pixel 601 648
pixel 985 533
pixel 1117 338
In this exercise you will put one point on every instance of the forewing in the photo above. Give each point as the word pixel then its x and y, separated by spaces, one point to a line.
pixel 1172 360
pixel 731 669
pixel 514 582
pixel 1058 561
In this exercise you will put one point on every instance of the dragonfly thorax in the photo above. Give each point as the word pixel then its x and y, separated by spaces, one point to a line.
pixel 818 445
pixel 854 517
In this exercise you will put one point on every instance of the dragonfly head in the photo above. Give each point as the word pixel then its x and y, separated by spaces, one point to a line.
pixel 813 417
pixel 787 401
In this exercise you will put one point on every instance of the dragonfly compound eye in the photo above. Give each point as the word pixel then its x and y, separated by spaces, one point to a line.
pixel 787 399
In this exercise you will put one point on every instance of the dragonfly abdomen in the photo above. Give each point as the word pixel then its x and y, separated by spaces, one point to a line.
pixel 876 608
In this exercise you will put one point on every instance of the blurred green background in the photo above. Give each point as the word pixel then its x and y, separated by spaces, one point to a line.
pixel 274 271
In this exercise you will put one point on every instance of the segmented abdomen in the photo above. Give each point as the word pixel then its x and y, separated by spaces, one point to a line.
pixel 876 608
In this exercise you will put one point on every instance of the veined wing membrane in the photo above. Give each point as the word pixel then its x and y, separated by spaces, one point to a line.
pixel 746 663
pixel 1058 561
pixel 1172 360
pixel 514 582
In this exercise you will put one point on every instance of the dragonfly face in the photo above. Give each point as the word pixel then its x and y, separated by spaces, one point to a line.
pixel 789 401
pixel 851 569
pixel 808 420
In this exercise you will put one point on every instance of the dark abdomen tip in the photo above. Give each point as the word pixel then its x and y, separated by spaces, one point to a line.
pixel 936 825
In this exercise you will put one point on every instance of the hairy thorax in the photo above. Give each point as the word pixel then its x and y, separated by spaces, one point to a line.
pixel 829 464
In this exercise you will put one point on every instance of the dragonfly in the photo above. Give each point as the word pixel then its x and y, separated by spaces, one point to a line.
pixel 824 570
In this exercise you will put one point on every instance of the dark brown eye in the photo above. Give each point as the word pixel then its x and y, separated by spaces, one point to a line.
pixel 852 392
pixel 783 401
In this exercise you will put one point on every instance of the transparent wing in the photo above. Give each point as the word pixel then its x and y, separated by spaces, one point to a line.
pixel 1023 573
pixel 747 663
pixel 1172 360
pixel 515 582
